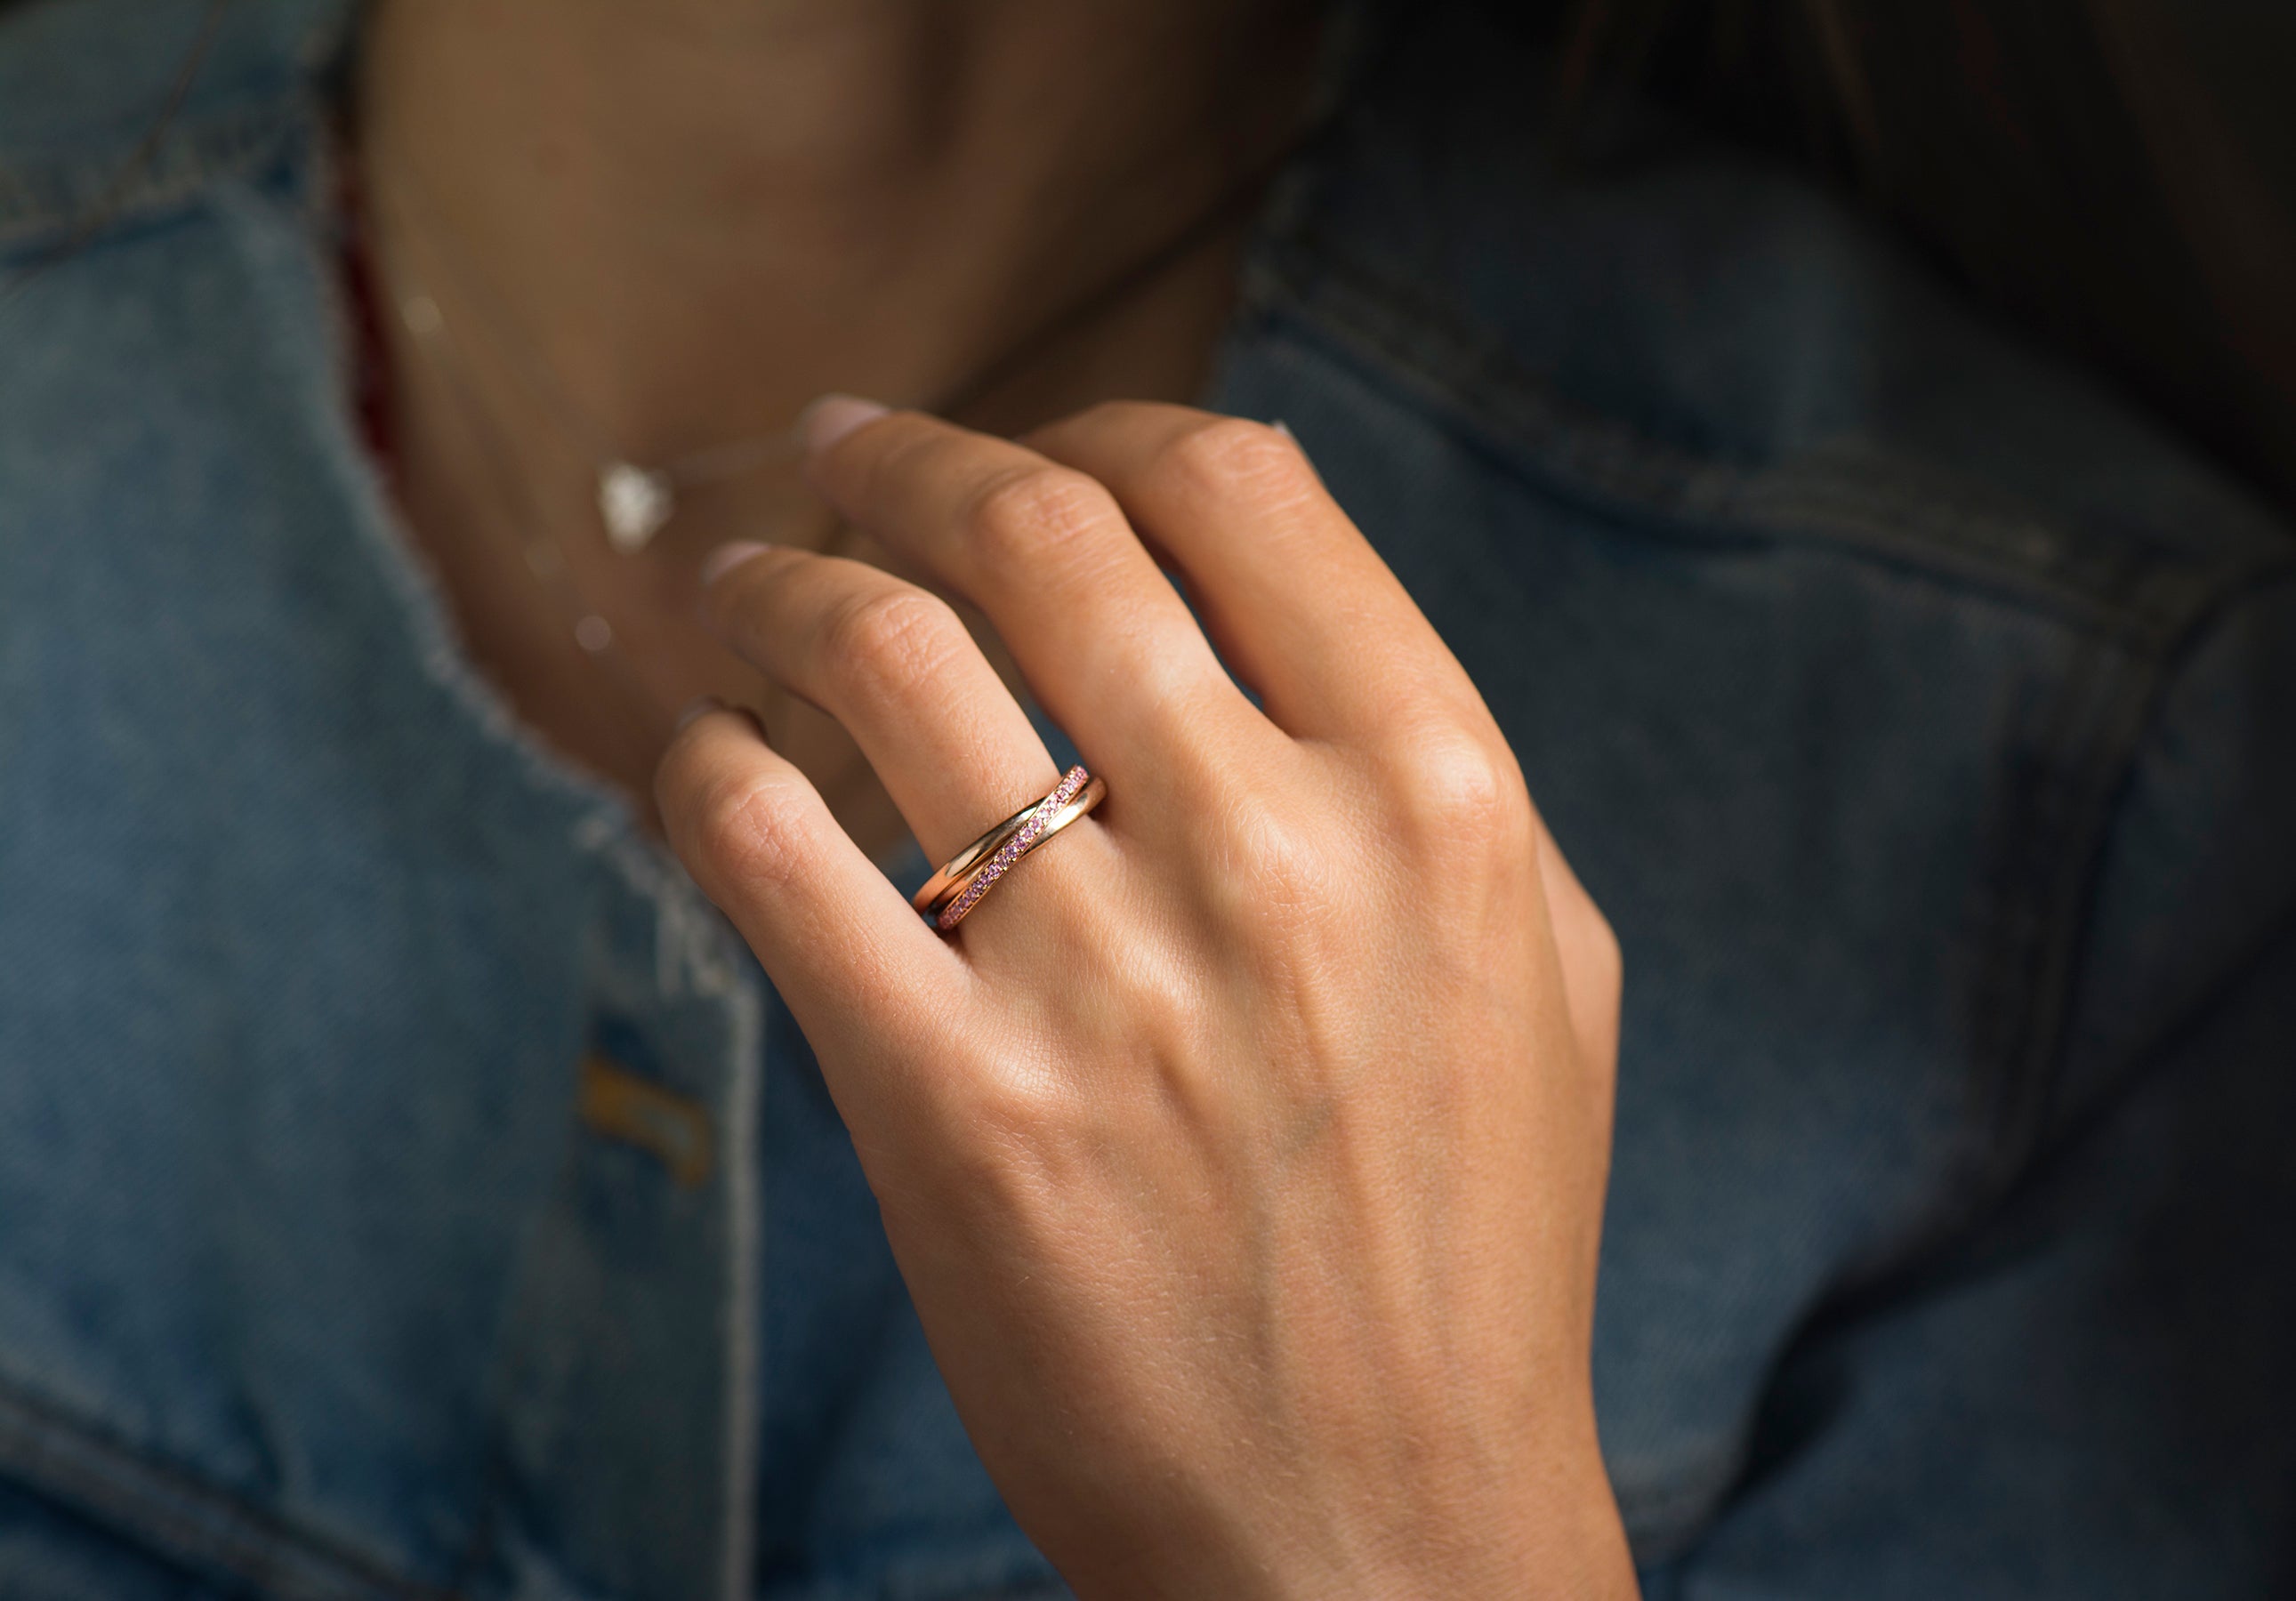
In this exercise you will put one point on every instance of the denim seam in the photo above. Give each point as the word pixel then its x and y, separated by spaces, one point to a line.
pixel 1946 527
pixel 2022 924
pixel 179 1515
pixel 2090 745
pixel 2129 612
pixel 76 198
pixel 2135 719
pixel 2043 940
pixel 63 203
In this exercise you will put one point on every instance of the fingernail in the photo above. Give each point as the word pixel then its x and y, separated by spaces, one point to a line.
pixel 726 558
pixel 1284 428
pixel 700 706
pixel 832 416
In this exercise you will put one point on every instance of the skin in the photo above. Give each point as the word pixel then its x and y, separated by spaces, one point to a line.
pixel 1244 1152
pixel 699 214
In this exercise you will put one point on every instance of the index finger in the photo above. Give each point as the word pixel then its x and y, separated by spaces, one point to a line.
pixel 1294 596
pixel 1106 643
pixel 864 976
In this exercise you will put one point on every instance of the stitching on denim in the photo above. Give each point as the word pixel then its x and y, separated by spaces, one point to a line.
pixel 180 1516
pixel 2123 730
pixel 2116 697
pixel 2034 922
pixel 46 203
pixel 1946 527
pixel 745 1248
pixel 2136 610
pixel 2093 737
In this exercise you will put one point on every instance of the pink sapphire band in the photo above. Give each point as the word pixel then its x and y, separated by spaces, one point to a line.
pixel 958 887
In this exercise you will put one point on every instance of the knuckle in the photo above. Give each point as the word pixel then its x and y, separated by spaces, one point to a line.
pixel 1183 689
pixel 892 640
pixel 1461 790
pixel 1277 857
pixel 1034 514
pixel 1231 456
pixel 748 827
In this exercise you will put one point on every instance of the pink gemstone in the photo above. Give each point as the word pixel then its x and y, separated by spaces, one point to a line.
pixel 1013 848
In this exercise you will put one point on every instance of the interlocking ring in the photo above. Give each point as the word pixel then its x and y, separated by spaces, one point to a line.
pixel 958 887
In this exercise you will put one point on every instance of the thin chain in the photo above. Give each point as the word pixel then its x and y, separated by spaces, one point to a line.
pixel 734 458
pixel 548 563
pixel 533 373
pixel 516 499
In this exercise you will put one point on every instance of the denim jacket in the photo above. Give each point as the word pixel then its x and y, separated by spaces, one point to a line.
pixel 410 1188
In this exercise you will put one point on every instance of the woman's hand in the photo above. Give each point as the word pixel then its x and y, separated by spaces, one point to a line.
pixel 1244 1149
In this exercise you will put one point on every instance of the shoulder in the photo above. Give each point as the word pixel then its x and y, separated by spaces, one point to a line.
pixel 161 168
pixel 162 329
pixel 1873 669
pixel 1672 348
pixel 195 552
pixel 1708 346
pixel 1765 544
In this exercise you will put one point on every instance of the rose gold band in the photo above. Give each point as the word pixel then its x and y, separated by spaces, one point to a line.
pixel 941 888
pixel 958 887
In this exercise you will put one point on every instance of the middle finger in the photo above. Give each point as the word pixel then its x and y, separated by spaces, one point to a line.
pixel 1103 639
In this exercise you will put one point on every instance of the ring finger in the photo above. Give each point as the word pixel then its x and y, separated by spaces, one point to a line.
pixel 894 665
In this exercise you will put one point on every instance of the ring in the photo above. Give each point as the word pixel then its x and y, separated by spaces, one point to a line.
pixel 958 887
pixel 942 887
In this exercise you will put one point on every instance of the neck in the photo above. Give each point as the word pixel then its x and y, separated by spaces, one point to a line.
pixel 687 219
pixel 689 216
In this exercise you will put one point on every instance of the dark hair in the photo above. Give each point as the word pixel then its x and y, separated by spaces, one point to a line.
pixel 2118 176
pixel 2115 174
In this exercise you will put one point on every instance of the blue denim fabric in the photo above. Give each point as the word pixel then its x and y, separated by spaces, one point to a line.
pixel 1921 714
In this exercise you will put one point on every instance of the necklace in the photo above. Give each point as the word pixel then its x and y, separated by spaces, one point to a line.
pixel 518 507
pixel 634 502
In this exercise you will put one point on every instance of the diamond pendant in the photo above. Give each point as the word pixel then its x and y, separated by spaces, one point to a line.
pixel 634 503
